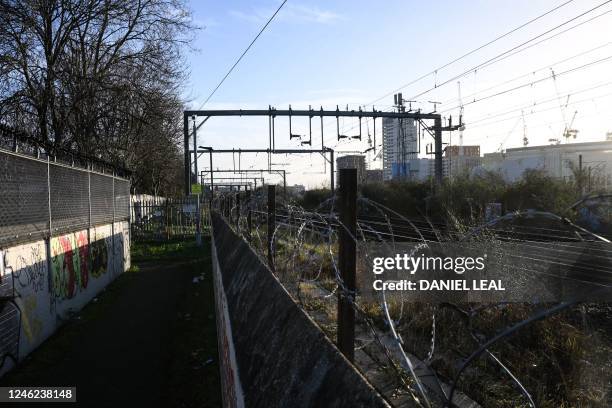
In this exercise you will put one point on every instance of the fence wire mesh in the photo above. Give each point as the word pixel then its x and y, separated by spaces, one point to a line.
pixel 24 203
pixel 39 198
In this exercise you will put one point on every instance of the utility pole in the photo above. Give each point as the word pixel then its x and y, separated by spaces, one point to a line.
pixel 580 174
pixel 271 224
pixel 347 260
pixel 238 209
pixel 187 167
pixel 438 150
pixel 195 154
pixel 249 214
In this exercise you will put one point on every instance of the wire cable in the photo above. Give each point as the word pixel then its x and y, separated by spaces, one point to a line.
pixel 244 53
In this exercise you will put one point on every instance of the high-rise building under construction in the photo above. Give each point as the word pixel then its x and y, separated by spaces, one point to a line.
pixel 400 145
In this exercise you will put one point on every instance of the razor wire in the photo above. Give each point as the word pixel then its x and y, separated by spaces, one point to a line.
pixel 306 264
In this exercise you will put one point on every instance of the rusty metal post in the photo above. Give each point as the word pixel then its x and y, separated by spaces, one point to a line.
pixel 249 214
pixel 347 260
pixel 229 208
pixel 271 224
pixel 238 209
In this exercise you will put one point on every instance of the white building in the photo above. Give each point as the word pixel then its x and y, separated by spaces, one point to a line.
pixel 400 144
pixel 460 160
pixel 558 161
pixel 457 161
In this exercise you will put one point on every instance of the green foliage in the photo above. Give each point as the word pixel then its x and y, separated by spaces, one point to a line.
pixel 165 250
pixel 406 198
pixel 466 198
pixel 313 198
pixel 541 192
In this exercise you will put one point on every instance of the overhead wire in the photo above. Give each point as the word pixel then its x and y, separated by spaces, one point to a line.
pixel 243 53
pixel 518 48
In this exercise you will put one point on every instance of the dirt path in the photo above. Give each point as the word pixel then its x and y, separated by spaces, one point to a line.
pixel 148 340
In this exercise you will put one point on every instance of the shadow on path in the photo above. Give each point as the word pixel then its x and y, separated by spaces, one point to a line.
pixel 148 340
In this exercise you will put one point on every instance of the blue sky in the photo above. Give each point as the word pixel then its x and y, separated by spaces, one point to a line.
pixel 353 52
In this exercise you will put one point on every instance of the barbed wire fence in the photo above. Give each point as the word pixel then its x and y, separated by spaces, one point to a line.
pixel 434 354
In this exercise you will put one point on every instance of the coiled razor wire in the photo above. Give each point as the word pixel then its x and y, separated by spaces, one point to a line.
pixel 300 227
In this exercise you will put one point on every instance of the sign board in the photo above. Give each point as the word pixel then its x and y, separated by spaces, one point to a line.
pixel 196 189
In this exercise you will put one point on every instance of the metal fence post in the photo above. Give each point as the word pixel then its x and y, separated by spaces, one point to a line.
pixel 113 224
pixel 89 214
pixel 249 214
pixel 238 209
pixel 228 208
pixel 49 198
pixel 271 224
pixel 347 260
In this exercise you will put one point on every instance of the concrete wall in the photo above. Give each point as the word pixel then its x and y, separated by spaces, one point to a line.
pixel 272 354
pixel 42 283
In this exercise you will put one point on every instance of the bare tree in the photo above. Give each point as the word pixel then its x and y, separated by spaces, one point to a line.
pixel 101 77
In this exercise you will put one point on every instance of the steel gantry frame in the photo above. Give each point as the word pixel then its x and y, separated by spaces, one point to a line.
pixel 272 113
pixel 225 180
pixel 210 150
pixel 279 172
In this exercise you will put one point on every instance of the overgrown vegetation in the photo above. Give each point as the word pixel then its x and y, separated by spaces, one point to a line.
pixel 563 361
pixel 465 197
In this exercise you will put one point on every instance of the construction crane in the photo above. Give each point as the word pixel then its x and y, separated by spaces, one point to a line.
pixel 568 131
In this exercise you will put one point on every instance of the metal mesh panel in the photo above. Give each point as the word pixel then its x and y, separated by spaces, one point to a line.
pixel 26 205
pixel 24 209
pixel 9 330
pixel 69 199
pixel 101 199
pixel 122 199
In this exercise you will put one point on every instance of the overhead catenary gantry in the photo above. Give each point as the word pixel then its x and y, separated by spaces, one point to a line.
pixel 219 180
pixel 261 172
pixel 211 151
pixel 272 113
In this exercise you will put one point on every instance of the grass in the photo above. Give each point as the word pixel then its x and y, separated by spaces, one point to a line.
pixel 146 251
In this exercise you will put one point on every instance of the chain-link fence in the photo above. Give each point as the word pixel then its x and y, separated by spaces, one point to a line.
pixel 40 198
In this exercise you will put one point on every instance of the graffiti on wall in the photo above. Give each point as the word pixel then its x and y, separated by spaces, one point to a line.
pixel 9 315
pixel 24 281
pixel 30 271
pixel 69 265
pixel 99 257
pixel 36 278
pixel 32 325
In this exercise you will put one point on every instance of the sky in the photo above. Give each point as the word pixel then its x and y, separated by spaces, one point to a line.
pixel 328 53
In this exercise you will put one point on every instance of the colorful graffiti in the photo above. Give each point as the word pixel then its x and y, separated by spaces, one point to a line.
pixel 31 324
pixel 69 264
pixel 34 298
pixel 99 257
